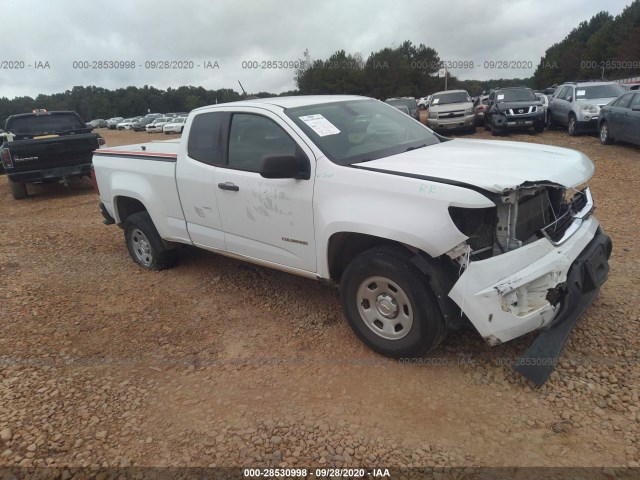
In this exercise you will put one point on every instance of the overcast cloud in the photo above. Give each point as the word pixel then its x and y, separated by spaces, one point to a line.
pixel 61 32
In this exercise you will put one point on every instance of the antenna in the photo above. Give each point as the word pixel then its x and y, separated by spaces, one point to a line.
pixel 243 91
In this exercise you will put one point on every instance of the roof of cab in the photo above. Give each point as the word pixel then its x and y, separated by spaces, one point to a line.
pixel 289 102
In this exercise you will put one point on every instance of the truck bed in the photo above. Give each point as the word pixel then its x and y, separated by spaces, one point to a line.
pixel 149 168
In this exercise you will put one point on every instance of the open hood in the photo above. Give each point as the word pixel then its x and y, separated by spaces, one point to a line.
pixel 494 166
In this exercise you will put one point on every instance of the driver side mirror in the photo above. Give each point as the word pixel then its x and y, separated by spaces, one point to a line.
pixel 285 166
pixel 569 98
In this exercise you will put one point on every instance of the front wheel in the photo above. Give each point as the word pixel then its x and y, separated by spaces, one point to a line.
pixel 572 127
pixel 389 304
pixel 605 136
pixel 17 189
pixel 145 244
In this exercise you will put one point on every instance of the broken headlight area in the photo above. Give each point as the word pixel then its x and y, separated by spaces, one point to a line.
pixel 534 295
pixel 520 217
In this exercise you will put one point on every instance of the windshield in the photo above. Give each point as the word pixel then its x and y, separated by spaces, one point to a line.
pixel 360 130
pixel 453 97
pixel 598 91
pixel 48 123
pixel 516 95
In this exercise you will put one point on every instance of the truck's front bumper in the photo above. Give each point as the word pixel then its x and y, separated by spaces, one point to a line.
pixel 533 287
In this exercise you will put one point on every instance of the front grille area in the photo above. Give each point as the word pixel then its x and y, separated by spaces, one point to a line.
pixel 534 213
pixel 451 114
pixel 521 110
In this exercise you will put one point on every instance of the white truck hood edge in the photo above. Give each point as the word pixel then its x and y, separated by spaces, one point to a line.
pixel 495 166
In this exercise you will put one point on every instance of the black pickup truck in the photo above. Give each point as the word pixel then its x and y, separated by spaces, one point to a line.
pixel 45 147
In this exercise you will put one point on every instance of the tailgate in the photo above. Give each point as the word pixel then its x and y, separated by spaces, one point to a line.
pixel 46 153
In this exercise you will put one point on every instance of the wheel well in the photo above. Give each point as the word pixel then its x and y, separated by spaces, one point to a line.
pixel 345 246
pixel 126 206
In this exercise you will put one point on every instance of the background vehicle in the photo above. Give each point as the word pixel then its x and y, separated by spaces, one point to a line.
pixel 141 124
pixel 544 100
pixel 423 102
pixel 620 120
pixel 157 124
pixel 434 226
pixel 98 123
pixel 451 110
pixel 176 125
pixel 479 107
pixel 46 147
pixel 513 108
pixel 576 105
pixel 112 123
pixel 408 102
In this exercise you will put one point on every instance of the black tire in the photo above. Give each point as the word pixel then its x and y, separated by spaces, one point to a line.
pixel 18 189
pixel 145 244
pixel 471 129
pixel 181 130
pixel 486 124
pixel 494 132
pixel 538 129
pixel 412 298
pixel 572 126
pixel 603 133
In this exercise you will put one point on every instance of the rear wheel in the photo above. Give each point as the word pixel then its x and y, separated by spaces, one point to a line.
pixel 145 244
pixel 605 137
pixel 389 304
pixel 17 189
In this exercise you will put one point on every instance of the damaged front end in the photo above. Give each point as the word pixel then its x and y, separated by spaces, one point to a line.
pixel 535 260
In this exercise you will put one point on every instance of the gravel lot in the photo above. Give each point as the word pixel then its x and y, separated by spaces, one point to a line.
pixel 222 363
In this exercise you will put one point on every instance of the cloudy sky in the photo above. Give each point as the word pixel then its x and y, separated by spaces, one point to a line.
pixel 66 33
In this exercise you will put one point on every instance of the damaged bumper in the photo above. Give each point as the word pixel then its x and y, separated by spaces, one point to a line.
pixel 538 286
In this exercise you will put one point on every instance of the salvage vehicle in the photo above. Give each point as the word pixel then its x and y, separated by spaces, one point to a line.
pixel 422 233
pixel 620 120
pixel 514 108
pixel 577 105
pixel 405 102
pixel 451 110
pixel 45 146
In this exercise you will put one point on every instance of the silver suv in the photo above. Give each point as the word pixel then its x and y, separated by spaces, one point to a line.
pixel 451 110
pixel 576 105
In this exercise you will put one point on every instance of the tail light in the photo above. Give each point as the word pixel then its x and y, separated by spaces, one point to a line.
pixel 5 156
pixel 101 141
pixel 94 182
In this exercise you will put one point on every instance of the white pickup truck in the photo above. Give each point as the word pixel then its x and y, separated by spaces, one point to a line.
pixel 422 233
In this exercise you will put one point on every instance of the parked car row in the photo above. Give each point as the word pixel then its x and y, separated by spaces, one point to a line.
pixel 608 108
pixel 137 124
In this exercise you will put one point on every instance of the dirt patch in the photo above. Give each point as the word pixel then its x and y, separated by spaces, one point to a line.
pixel 221 363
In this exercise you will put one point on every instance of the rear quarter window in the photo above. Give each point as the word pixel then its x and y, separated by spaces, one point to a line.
pixel 204 137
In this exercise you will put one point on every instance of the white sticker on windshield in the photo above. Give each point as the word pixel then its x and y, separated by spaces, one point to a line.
pixel 579 93
pixel 320 125
pixel 501 96
pixel 435 100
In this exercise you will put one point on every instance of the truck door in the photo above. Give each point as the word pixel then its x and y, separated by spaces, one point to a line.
pixel 196 180
pixel 266 219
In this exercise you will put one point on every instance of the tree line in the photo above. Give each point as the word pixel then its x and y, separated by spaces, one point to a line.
pixel 604 47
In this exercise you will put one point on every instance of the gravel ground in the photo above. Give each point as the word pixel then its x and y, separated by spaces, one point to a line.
pixel 218 362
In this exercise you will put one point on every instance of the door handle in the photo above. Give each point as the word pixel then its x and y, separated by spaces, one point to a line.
pixel 229 186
